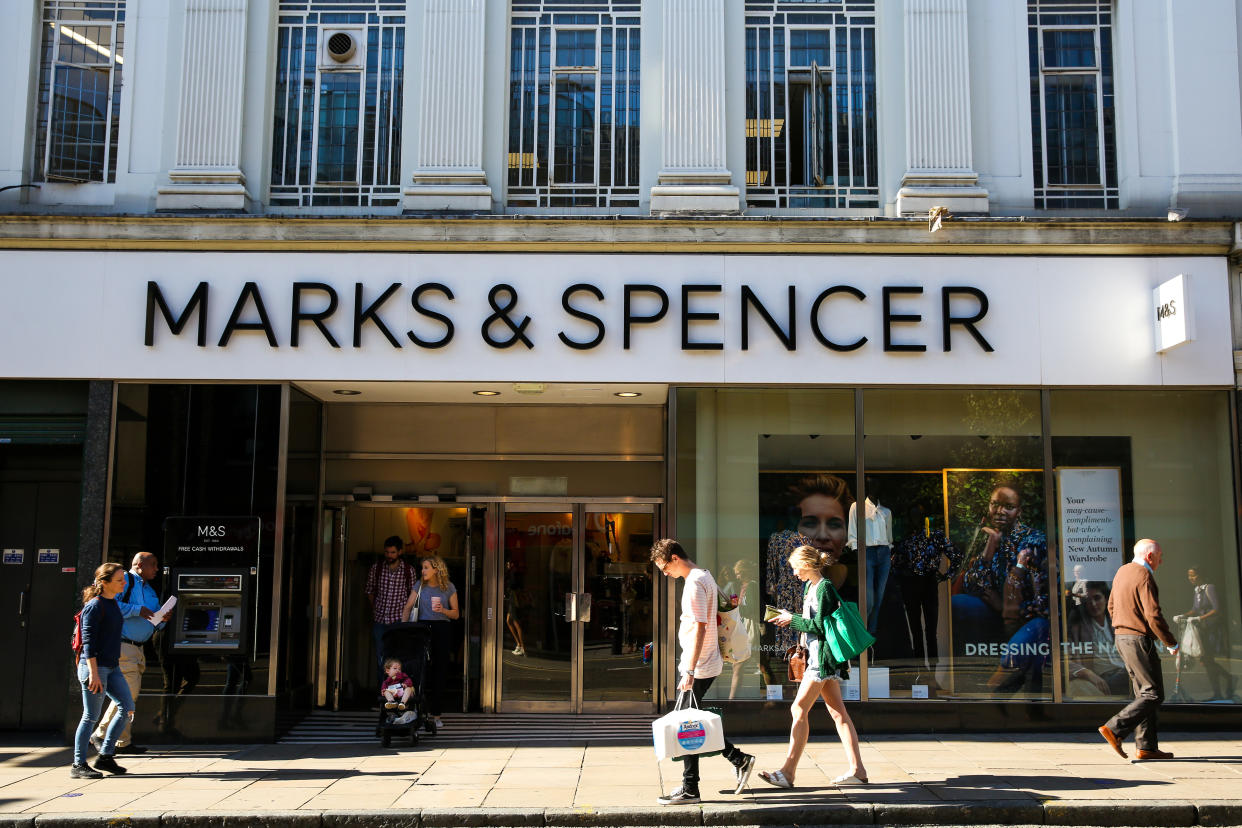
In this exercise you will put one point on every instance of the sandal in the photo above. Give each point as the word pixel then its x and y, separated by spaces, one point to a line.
pixel 776 778
pixel 850 779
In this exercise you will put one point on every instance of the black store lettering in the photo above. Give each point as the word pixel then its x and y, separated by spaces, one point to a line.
pixel 248 293
pixel 750 300
pixel 818 331
pixel 583 315
pixel 628 316
pixel 371 314
pixel 298 316
pixel 891 319
pixel 688 316
pixel 416 303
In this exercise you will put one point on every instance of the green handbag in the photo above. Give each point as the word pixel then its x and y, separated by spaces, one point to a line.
pixel 845 633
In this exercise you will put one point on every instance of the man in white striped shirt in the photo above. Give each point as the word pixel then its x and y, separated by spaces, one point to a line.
pixel 700 658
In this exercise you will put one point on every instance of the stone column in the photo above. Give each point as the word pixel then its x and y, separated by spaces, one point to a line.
pixel 448 172
pixel 939 165
pixel 694 176
pixel 207 174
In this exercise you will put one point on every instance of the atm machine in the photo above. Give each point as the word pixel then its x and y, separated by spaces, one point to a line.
pixel 211 612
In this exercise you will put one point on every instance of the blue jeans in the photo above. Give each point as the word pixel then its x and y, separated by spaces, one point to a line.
pixel 879 561
pixel 115 688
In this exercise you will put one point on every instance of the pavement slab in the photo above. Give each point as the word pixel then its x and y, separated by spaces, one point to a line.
pixel 1002 779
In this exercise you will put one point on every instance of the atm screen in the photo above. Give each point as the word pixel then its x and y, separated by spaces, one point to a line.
pixel 200 620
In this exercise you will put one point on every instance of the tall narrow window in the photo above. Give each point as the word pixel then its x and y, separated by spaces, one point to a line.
pixel 336 137
pixel 79 90
pixel 1075 149
pixel 811 104
pixel 573 104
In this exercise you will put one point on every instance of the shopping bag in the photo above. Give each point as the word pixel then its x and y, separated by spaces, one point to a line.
pixel 687 730
pixel 733 635
pixel 845 633
pixel 1192 641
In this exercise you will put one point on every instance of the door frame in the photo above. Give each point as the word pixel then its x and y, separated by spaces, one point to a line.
pixel 493 630
pixel 329 580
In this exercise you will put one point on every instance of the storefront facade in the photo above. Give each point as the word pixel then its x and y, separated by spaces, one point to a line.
pixel 739 401
pixel 532 284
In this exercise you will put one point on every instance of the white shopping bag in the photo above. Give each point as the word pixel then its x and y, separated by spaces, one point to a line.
pixel 733 635
pixel 687 730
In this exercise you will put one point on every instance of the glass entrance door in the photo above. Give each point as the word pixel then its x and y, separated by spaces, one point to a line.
pixel 577 608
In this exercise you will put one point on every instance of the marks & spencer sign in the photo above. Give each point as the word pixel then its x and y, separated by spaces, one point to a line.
pixel 715 318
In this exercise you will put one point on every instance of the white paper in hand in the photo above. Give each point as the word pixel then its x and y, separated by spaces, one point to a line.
pixel 163 611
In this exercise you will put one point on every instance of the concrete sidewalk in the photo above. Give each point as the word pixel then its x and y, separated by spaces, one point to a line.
pixel 1070 779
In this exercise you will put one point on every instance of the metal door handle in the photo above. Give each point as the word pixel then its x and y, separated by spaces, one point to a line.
pixel 21 604
pixel 571 607
pixel 578 606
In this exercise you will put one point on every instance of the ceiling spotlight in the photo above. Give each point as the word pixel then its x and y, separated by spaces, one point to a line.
pixel 346 392
pixel 1177 213
pixel 627 394
pixel 487 393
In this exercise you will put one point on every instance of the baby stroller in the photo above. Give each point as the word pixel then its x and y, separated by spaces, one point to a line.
pixel 410 643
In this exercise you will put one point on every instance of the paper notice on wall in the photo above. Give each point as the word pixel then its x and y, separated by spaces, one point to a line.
pixel 163 611
pixel 1092 532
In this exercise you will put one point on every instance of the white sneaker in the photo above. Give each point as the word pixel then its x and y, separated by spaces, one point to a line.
pixel 439 724
pixel 519 651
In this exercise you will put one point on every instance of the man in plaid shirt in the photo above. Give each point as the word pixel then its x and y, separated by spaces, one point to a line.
pixel 389 584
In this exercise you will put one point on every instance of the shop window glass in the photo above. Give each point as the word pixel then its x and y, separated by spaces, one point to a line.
pixel 1142 464
pixel 1072 108
pixel 198 450
pixel 959 602
pixel 82 59
pixel 758 472
pixel 574 103
pixel 811 134
pixel 336 132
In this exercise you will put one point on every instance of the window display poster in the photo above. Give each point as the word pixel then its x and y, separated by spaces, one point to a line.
pixel 1000 594
pixel 1092 532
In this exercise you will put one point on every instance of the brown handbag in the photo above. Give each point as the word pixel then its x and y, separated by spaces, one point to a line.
pixel 796 658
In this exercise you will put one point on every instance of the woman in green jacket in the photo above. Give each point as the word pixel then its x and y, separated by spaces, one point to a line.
pixel 822 678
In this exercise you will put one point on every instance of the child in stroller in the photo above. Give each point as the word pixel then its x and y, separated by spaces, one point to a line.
pixel 397 690
pixel 406 647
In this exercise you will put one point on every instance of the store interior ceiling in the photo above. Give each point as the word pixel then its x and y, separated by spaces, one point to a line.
pixel 493 393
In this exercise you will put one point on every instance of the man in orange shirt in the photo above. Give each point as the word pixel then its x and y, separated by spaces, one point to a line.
pixel 1137 622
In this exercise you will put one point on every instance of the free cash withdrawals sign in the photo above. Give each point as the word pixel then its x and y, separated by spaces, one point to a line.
pixel 1092 532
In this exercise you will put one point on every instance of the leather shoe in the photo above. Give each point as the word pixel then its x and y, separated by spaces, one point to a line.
pixel 132 749
pixel 1144 755
pixel 1112 740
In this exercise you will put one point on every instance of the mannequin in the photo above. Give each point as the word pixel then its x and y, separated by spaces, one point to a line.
pixel 879 547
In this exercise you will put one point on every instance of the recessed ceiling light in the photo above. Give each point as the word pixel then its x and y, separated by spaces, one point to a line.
pixel 346 392
pixel 487 393
pixel 627 394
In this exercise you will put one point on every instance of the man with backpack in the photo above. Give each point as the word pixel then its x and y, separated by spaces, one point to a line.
pixel 137 602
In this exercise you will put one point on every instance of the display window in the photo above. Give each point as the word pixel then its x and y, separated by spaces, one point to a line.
pixel 974 565
pixel 1144 464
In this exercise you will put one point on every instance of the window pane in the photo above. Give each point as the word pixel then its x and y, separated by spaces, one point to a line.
pixel 338 127
pixel 574 152
pixel 959 601
pixel 759 472
pixel 1147 464
pixel 1073 49
pixel 810 46
pixel 79 123
pixel 575 48
pixel 1073 138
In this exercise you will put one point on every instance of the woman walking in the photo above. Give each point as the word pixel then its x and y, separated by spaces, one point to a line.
pixel 436 600
pixel 822 678
pixel 100 674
